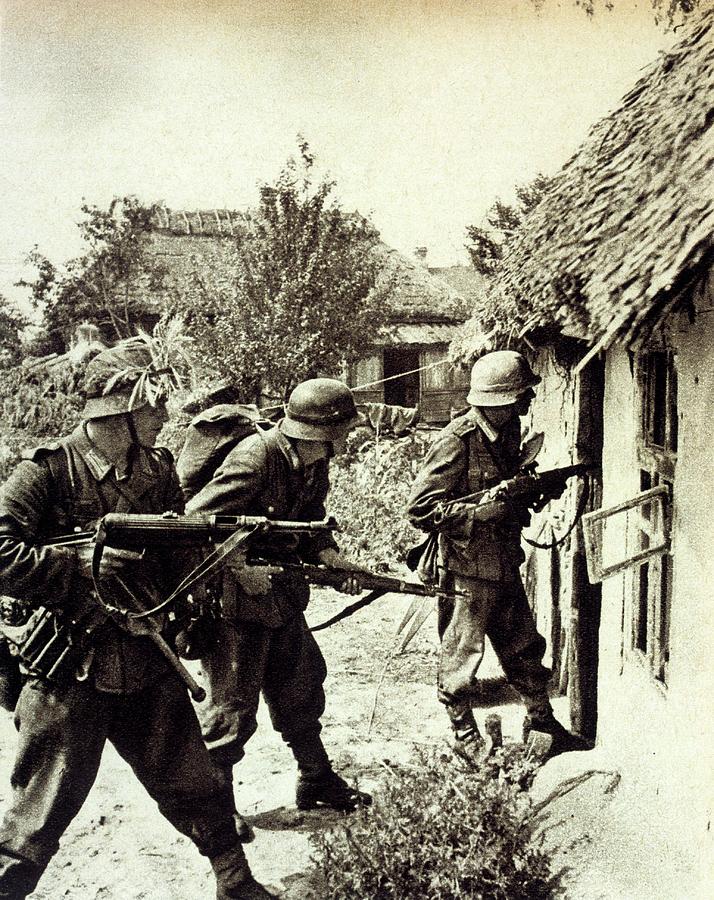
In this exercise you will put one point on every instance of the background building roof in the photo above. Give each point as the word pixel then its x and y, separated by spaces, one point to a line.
pixel 202 243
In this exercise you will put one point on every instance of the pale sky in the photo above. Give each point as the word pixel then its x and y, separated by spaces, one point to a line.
pixel 423 112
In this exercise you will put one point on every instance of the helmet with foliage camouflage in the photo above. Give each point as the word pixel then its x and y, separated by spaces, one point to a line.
pixel 320 409
pixel 124 378
pixel 499 378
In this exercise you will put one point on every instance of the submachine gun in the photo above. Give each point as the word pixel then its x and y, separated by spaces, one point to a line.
pixel 45 647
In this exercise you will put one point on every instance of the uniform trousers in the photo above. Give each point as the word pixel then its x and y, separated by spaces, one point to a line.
pixel 62 732
pixel 287 665
pixel 500 611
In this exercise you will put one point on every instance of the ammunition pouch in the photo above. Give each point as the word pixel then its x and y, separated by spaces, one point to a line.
pixel 46 648
pixel 47 644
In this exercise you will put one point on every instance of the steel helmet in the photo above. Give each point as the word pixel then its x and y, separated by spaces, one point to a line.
pixel 499 378
pixel 123 378
pixel 320 409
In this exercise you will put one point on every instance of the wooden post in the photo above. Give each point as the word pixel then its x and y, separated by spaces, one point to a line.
pixel 585 597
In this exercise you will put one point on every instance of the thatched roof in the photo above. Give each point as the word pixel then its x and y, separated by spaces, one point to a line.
pixel 417 295
pixel 629 221
pixel 190 243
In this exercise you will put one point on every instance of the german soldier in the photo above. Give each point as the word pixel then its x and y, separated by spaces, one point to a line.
pixel 482 555
pixel 107 684
pixel 265 644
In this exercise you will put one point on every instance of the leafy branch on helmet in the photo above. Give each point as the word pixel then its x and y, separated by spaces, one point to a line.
pixel 138 370
pixel 304 295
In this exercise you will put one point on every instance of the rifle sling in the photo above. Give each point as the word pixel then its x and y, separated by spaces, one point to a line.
pixel 352 608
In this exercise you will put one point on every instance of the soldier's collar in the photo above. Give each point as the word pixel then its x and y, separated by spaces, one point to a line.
pixel 97 463
pixel 288 449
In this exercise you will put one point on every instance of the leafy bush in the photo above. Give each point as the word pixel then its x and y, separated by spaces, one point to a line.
pixel 440 832
pixel 370 485
pixel 43 402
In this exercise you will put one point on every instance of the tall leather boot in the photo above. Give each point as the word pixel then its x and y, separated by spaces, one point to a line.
pixel 468 743
pixel 243 828
pixel 326 788
pixel 563 741
pixel 318 784
pixel 234 880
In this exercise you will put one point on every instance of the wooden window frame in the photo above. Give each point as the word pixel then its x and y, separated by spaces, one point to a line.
pixel 657 442
pixel 647 550
pixel 652 517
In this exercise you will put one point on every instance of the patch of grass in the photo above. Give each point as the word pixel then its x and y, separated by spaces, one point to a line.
pixel 439 831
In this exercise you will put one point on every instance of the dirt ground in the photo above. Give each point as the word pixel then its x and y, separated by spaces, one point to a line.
pixel 120 847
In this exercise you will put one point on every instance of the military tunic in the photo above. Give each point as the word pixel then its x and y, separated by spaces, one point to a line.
pixel 481 558
pixel 126 692
pixel 265 643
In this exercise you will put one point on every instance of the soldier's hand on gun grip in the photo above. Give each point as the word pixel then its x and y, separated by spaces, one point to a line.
pixel 113 561
pixel 334 560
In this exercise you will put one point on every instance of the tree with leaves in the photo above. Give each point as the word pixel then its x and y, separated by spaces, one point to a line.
pixel 110 284
pixel 486 244
pixel 304 292
pixel 12 323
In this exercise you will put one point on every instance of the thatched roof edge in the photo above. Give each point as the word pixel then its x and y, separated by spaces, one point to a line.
pixel 629 220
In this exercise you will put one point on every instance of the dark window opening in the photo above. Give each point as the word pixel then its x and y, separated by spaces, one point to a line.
pixel 659 401
pixel 642 607
pixel 403 390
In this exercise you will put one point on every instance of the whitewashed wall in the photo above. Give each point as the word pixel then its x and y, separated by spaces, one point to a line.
pixel 664 737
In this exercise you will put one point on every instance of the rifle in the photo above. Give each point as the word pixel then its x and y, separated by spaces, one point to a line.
pixel 139 532
pixel 377 585
pixel 526 488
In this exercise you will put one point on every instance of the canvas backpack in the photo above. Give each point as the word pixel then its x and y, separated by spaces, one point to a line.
pixel 211 435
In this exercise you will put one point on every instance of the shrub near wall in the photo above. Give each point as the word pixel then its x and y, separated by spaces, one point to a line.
pixel 370 486
pixel 440 832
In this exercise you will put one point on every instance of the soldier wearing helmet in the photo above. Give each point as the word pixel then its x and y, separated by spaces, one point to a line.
pixel 108 684
pixel 481 554
pixel 281 473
